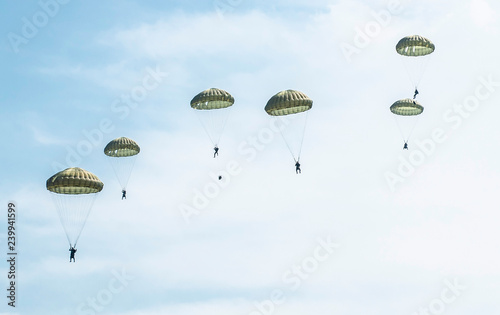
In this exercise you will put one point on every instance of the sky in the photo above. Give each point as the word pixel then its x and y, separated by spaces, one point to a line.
pixel 366 228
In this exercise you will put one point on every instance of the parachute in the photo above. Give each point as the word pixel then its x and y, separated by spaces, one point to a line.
pixel 414 46
pixel 212 107
pixel 122 153
pixel 295 106
pixel 407 112
pixel 73 192
pixel 419 47
pixel 406 107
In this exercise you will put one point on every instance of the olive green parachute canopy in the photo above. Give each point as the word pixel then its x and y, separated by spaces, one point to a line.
pixel 414 46
pixel 74 181
pixel 122 147
pixel 407 107
pixel 288 102
pixel 212 99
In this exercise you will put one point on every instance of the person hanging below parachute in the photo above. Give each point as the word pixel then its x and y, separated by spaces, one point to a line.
pixel 72 253
pixel 212 108
pixel 73 191
pixel 419 47
pixel 297 105
pixel 408 110
pixel 297 168
pixel 122 153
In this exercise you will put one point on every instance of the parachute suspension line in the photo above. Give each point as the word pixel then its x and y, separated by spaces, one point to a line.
pixel 214 122
pixel 205 128
pixel 225 119
pixel 89 206
pixel 413 79
pixel 73 211
pixel 288 146
pixel 122 167
pixel 423 67
pixel 412 128
pixel 217 165
pixel 60 206
pixel 134 158
pixel 303 135
pixel 418 68
pixel 400 130
pixel 406 139
pixel 212 125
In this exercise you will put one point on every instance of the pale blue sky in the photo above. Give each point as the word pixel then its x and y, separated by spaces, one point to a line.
pixel 404 234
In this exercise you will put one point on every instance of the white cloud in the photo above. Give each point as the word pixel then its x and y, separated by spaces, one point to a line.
pixel 482 14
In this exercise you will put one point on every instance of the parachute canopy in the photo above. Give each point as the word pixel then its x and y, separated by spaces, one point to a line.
pixel 288 102
pixel 414 46
pixel 122 147
pixel 407 107
pixel 212 99
pixel 74 181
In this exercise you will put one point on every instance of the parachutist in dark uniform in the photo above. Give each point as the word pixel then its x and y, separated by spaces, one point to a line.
pixel 297 168
pixel 216 151
pixel 405 146
pixel 415 95
pixel 72 254
pixel 124 194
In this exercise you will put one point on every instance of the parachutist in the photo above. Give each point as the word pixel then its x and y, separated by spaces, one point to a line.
pixel 124 194
pixel 220 177
pixel 297 168
pixel 72 212
pixel 72 254
pixel 216 151
pixel 405 146
pixel 416 93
